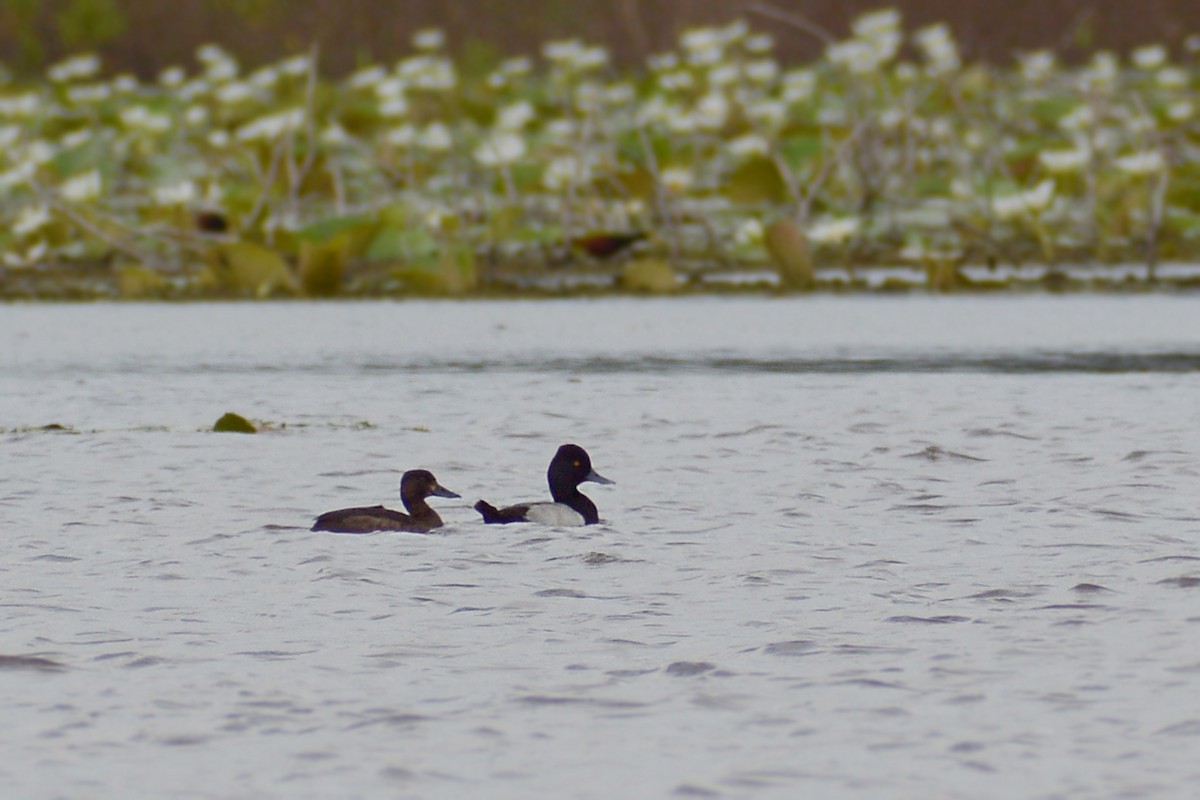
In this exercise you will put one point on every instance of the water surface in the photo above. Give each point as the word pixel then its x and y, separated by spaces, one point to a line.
pixel 860 547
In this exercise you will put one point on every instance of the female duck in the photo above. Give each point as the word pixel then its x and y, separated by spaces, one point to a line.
pixel 570 467
pixel 415 486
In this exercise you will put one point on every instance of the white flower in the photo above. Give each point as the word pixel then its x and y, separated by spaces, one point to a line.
pixel 271 126
pixel 176 194
pixel 1181 110
pixel 89 93
pixel 392 88
pixel 207 53
pixel 74 68
pixel 172 77
pixel 334 135
pixel 31 219
pixel 296 65
pixel 17 176
pixel 1149 57
pixel 429 39
pixel 573 54
pixel 1172 78
pixel 1080 119
pixel 759 43
pixel 367 77
pixel 747 145
pixel 1102 72
pixel 518 65
pixel 799 85
pixel 500 149
pixel 697 39
pixel 193 89
pixel 768 112
pixel 218 139
pixel 833 231
pixel 677 179
pixel 620 94
pixel 723 75
pixel 196 116
pixel 38 152
pixel 140 118
pixel 124 84
pixel 1062 162
pixel 748 232
pixel 939 49
pixel 31 256
pixel 734 31
pixel 1147 162
pixel 81 188
pixel 22 105
pixel 663 62
pixel 762 70
pixel 564 171
pixel 436 137
pixel 561 130
pixel 264 78
pixel 235 92
pixel 1037 66
pixel 876 24
pixel 1028 203
pixel 676 80
pixel 516 116
pixel 221 71
pixel 706 58
pixel 712 111
pixel 9 134
pixel 402 136
pixel 75 138
pixel 864 56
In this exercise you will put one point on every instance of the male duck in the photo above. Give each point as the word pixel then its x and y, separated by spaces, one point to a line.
pixel 415 486
pixel 570 467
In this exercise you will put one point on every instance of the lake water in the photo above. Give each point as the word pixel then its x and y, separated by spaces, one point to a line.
pixel 877 547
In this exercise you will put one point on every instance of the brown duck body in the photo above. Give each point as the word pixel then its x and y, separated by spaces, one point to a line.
pixel 415 486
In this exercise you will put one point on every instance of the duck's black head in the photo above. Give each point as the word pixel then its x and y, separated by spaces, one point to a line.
pixel 570 467
pixel 417 484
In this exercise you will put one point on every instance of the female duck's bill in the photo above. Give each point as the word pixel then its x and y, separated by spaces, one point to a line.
pixel 415 486
pixel 570 467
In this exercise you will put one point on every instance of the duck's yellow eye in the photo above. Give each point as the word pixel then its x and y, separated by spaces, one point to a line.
pixel 578 463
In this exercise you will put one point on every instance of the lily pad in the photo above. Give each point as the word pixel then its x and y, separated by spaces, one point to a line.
pixel 649 275
pixel 234 423
pixel 788 248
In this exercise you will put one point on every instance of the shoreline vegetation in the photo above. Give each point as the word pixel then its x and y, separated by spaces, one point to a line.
pixel 889 164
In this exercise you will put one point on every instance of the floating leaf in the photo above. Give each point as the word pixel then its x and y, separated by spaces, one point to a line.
pixel 788 248
pixel 234 423
pixel 246 267
pixel 452 273
pixel 322 265
pixel 798 149
pixel 136 282
pixel 756 181
pixel 91 154
pixel 649 275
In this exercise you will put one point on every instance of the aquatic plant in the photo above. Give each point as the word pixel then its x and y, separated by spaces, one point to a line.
pixel 413 177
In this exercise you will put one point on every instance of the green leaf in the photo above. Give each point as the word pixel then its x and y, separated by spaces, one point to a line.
pixel 88 155
pixel 756 181
pixel 650 275
pixel 234 423
pixel 788 248
pixel 246 267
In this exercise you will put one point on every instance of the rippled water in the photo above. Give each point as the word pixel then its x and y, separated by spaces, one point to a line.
pixel 884 547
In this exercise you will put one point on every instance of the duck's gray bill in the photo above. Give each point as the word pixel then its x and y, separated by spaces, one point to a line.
pixel 596 477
